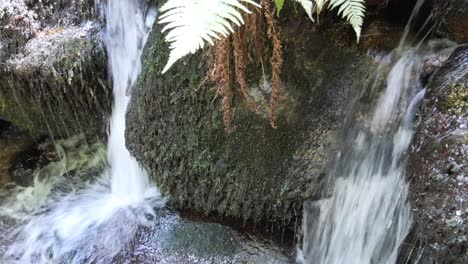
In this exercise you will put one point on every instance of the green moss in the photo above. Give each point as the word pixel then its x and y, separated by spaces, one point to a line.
pixel 14 109
pixel 256 172
pixel 194 160
pixel 63 94
pixel 377 34
pixel 457 99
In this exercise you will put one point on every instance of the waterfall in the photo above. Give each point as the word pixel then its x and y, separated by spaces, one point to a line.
pixel 127 30
pixel 364 215
pixel 95 223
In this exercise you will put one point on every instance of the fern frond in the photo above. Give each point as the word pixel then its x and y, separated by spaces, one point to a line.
pixel 351 10
pixel 279 5
pixel 307 5
pixel 192 23
pixel 319 5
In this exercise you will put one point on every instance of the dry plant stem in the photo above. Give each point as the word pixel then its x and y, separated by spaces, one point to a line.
pixel 257 26
pixel 221 76
pixel 240 60
pixel 236 46
pixel 276 60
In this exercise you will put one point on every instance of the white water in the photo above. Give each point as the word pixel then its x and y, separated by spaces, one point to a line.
pixel 95 223
pixel 366 216
pixel 127 31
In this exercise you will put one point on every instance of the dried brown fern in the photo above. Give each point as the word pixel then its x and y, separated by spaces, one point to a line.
pixel 236 46
pixel 240 63
pixel 257 30
pixel 221 75
pixel 276 60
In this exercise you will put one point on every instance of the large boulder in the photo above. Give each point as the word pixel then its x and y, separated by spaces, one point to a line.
pixel 53 68
pixel 439 167
pixel 175 128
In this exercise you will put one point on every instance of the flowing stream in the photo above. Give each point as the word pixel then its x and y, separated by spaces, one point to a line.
pixel 94 223
pixel 362 219
pixel 364 215
pixel 367 217
pixel 127 30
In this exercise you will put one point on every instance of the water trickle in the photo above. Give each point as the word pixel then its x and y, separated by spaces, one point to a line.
pixel 94 222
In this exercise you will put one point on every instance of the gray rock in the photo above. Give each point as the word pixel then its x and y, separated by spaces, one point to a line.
pixel 439 167
pixel 17 24
pixel 183 241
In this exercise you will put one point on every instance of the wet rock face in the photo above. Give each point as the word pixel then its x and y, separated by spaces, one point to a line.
pixel 439 166
pixel 184 241
pixel 17 25
pixel 13 142
pixel 451 19
pixel 21 20
pixel 53 67
pixel 175 128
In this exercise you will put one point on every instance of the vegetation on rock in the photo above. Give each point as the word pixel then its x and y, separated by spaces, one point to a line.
pixel 191 23
pixel 176 131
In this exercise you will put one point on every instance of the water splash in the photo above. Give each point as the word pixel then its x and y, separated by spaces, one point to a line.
pixel 74 154
pixel 94 222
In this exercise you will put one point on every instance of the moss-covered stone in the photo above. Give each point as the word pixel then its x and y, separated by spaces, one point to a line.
pixel 53 67
pixel 58 84
pixel 256 172
pixel 10 150
pixel 457 99
pixel 378 34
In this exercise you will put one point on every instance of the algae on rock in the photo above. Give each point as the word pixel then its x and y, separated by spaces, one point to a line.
pixel 53 68
pixel 176 130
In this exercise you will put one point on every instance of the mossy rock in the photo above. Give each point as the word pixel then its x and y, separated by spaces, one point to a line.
pixel 457 99
pixel 58 84
pixel 175 128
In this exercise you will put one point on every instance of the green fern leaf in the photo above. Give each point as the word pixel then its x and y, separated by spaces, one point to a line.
pixel 279 5
pixel 353 11
pixel 192 23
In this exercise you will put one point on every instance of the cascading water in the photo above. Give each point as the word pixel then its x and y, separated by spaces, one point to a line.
pixel 127 31
pixel 93 224
pixel 365 216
